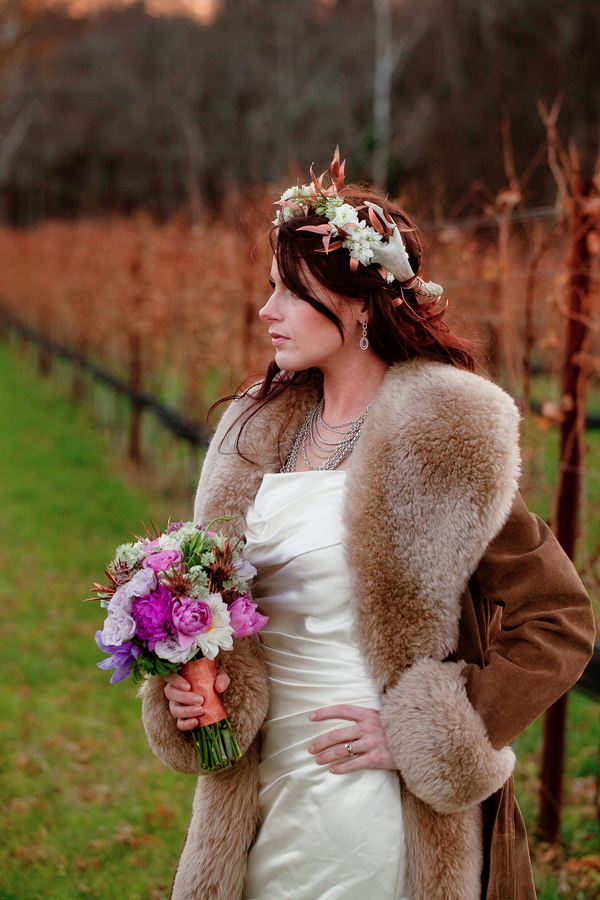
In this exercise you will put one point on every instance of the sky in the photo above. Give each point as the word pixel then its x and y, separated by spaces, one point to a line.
pixel 203 10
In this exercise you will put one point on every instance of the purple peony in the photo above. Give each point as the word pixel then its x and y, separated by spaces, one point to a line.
pixel 152 615
pixel 190 617
pixel 244 617
pixel 160 562
pixel 122 659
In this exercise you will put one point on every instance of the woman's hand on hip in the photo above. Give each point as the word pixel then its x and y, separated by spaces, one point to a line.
pixel 365 736
pixel 186 706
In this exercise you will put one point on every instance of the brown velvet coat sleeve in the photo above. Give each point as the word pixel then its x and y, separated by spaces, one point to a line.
pixel 527 596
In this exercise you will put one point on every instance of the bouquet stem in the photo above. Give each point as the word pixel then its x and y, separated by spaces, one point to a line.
pixel 214 739
pixel 217 746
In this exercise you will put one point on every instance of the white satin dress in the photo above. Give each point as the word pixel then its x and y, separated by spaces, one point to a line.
pixel 322 836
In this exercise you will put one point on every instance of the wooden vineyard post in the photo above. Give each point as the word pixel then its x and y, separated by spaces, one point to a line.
pixel 581 199
pixel 135 362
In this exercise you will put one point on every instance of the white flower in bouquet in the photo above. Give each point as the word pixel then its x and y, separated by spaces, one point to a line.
pixel 129 554
pixel 219 635
pixel 185 533
pixel 170 648
pixel 169 542
pixel 198 582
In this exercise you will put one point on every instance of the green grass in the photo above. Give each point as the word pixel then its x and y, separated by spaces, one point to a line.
pixel 86 811
pixel 572 871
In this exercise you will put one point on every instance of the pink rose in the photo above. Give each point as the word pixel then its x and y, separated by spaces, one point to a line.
pixel 160 562
pixel 190 617
pixel 244 617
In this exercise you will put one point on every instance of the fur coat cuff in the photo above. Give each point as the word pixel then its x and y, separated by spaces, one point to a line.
pixel 173 747
pixel 438 739
pixel 246 701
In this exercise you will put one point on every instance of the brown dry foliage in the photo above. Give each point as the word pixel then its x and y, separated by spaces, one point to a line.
pixel 190 295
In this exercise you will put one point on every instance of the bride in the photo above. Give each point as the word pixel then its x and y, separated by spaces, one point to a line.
pixel 419 617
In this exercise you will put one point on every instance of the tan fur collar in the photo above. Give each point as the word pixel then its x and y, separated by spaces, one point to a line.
pixel 430 483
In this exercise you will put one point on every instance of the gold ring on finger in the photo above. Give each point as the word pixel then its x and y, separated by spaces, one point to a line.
pixel 349 749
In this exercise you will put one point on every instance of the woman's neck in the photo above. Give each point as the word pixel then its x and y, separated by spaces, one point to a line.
pixel 348 393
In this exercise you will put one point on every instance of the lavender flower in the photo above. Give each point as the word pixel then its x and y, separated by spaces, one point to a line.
pixel 174 526
pixel 122 659
pixel 245 569
pixel 170 648
pixel 142 583
pixel 118 627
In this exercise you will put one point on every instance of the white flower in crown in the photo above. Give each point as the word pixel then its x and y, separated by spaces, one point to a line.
pixel 331 206
pixel 343 215
pixel 379 242
pixel 360 240
pixel 297 194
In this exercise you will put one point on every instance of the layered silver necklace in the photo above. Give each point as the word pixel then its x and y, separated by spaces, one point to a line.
pixel 332 452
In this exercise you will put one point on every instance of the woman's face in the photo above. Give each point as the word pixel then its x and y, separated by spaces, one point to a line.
pixel 302 336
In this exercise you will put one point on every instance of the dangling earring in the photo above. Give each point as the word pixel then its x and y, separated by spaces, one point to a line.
pixel 364 341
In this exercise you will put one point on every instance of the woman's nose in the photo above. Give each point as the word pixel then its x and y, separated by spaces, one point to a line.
pixel 268 313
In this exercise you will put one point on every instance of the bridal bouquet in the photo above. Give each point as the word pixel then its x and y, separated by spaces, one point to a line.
pixel 174 601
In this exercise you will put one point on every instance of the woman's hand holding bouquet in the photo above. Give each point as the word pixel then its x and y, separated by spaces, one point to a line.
pixel 174 601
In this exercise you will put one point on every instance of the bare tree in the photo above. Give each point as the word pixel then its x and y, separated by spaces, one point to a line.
pixel 580 197
pixel 391 55
pixel 14 137
pixel 196 156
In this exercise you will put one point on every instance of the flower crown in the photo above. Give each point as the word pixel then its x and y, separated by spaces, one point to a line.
pixel 379 243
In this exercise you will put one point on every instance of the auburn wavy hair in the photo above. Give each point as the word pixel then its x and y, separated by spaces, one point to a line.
pixel 396 332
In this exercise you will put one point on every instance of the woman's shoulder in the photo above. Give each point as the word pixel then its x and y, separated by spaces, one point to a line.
pixel 442 402
pixel 435 384
pixel 434 424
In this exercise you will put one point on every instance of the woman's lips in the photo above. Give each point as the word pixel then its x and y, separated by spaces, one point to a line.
pixel 278 339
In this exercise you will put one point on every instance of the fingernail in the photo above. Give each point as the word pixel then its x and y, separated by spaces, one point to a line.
pixel 311 749
pixel 333 770
pixel 186 687
pixel 198 699
pixel 318 760
pixel 313 716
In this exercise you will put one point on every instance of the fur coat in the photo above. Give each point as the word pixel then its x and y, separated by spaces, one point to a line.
pixel 467 613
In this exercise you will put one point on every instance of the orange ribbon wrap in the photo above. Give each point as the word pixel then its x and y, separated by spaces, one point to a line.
pixel 201 674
